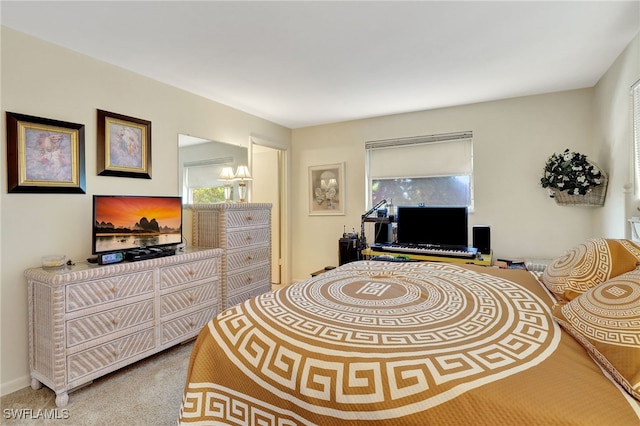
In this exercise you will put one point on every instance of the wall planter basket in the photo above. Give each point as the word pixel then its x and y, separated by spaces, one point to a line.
pixel 572 180
pixel 593 198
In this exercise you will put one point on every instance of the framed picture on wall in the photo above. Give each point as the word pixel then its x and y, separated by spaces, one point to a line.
pixel 326 189
pixel 124 146
pixel 44 155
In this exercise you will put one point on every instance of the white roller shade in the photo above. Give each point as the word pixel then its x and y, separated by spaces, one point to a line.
pixel 205 174
pixel 438 155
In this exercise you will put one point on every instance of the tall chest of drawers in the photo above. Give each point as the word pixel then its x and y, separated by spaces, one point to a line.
pixel 243 231
pixel 86 320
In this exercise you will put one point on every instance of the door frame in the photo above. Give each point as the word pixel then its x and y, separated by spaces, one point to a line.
pixel 283 204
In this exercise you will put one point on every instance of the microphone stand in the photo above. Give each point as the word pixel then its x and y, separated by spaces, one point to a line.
pixel 363 239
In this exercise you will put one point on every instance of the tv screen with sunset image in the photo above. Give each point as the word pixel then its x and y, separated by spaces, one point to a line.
pixel 123 223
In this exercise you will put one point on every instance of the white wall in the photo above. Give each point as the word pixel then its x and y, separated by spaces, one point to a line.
pixel 613 138
pixel 44 80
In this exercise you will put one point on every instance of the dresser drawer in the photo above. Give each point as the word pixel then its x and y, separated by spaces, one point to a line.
pixel 244 218
pixel 247 258
pixel 187 298
pixel 188 272
pixel 238 282
pixel 248 293
pixel 188 325
pixel 91 293
pixel 90 327
pixel 242 239
pixel 91 361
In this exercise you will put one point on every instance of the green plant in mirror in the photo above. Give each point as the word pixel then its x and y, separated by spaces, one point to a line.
pixel 209 195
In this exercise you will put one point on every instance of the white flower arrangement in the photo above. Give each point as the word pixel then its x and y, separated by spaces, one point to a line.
pixel 571 172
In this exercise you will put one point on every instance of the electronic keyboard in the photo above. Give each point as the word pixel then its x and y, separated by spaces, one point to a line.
pixel 440 250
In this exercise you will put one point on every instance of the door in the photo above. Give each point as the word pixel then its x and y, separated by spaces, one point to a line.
pixel 266 187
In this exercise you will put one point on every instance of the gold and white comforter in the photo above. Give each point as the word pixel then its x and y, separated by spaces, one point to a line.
pixel 417 343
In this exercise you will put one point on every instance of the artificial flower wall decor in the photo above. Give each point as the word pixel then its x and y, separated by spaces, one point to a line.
pixel 572 174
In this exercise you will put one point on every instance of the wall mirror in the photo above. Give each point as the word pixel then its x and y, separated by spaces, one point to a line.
pixel 200 164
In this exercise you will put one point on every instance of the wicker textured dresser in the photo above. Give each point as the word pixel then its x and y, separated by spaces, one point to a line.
pixel 243 231
pixel 87 320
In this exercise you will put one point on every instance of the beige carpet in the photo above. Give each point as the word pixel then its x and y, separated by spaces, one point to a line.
pixel 148 392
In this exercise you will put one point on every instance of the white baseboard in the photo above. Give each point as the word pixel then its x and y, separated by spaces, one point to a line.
pixel 15 385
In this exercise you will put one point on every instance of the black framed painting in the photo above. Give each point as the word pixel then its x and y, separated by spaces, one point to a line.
pixel 44 155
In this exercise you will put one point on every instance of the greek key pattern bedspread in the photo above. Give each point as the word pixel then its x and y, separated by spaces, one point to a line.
pixel 369 342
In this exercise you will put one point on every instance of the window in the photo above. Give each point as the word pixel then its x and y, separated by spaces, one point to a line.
pixel 202 184
pixel 434 170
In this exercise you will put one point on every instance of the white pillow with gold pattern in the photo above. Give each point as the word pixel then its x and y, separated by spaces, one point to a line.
pixel 589 264
pixel 606 321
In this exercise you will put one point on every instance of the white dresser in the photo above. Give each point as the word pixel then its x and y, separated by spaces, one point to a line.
pixel 88 320
pixel 243 231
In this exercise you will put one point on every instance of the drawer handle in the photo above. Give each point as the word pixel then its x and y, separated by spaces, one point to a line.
pixel 191 272
pixel 249 257
pixel 115 321
pixel 249 238
pixel 116 352
pixel 191 297
pixel 192 323
pixel 249 218
pixel 114 289
pixel 250 278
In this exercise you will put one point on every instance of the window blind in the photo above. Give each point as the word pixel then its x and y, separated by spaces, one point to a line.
pixel 424 156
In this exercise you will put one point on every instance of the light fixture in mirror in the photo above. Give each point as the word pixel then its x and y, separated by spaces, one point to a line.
pixel 242 175
pixel 227 176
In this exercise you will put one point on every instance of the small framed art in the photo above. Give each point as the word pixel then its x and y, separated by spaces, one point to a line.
pixel 124 146
pixel 326 189
pixel 44 155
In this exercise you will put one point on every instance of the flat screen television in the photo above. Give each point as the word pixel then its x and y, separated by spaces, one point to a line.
pixel 438 225
pixel 122 223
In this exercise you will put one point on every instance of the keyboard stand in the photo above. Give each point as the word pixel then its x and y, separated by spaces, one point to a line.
pixel 486 260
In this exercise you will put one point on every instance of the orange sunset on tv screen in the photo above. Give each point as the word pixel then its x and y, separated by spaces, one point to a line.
pixel 127 211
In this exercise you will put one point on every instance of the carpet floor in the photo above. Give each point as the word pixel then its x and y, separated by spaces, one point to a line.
pixel 148 392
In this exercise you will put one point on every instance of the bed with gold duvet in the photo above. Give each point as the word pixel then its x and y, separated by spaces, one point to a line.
pixel 413 343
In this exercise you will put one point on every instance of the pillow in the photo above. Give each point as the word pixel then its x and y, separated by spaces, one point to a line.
pixel 589 264
pixel 606 321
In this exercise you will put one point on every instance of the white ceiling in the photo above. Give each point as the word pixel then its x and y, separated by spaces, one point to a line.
pixel 304 63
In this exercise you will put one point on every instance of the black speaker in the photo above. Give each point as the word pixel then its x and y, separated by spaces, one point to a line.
pixel 384 233
pixel 349 250
pixel 482 238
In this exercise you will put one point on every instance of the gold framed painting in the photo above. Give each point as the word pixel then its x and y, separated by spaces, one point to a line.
pixel 44 155
pixel 326 189
pixel 124 146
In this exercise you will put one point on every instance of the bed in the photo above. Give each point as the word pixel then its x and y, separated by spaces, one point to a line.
pixel 417 343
